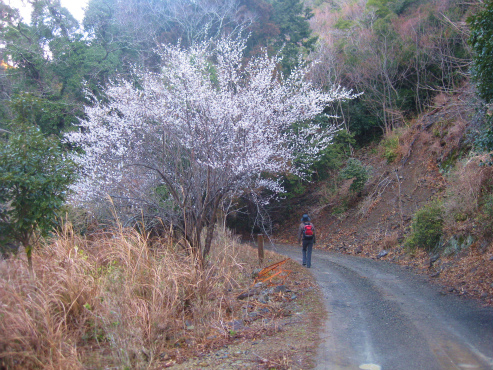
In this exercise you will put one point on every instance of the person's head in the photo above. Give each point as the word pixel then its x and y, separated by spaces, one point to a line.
pixel 305 218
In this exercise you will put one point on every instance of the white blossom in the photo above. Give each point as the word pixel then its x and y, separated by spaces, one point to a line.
pixel 208 122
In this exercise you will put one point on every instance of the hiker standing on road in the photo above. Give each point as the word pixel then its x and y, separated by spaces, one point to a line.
pixel 306 234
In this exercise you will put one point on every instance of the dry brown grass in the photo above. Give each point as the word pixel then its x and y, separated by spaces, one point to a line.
pixel 117 300
pixel 466 185
pixel 390 240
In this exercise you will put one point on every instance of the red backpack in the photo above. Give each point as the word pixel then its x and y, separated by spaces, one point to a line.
pixel 308 231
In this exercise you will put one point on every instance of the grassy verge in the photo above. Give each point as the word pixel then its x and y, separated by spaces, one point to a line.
pixel 119 300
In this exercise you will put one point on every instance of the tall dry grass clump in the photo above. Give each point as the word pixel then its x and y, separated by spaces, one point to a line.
pixel 116 299
pixel 467 185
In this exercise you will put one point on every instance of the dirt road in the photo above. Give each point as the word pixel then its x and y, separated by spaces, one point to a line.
pixel 382 316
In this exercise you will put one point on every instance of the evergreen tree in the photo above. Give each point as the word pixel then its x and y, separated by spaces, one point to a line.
pixel 295 35
pixel 34 178
pixel 47 66
pixel 482 43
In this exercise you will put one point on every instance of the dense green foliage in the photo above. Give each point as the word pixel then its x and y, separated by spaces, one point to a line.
pixel 34 178
pixel 295 35
pixel 334 155
pixel 51 65
pixel 481 40
pixel 426 228
pixel 355 170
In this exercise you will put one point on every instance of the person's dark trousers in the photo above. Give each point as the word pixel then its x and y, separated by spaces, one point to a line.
pixel 307 252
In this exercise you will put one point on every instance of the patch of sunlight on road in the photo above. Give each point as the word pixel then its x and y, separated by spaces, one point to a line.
pixel 468 366
pixel 370 367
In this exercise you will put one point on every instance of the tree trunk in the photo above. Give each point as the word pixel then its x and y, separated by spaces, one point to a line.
pixel 29 250
pixel 208 240
pixel 210 228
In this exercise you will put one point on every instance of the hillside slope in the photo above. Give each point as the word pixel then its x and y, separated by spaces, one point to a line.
pixel 432 162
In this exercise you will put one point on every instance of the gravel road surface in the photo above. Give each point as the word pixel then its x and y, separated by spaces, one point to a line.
pixel 384 317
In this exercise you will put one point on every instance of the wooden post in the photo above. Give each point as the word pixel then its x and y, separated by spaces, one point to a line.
pixel 260 246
